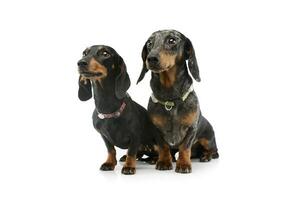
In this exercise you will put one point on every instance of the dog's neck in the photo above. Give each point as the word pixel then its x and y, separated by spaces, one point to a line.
pixel 171 84
pixel 105 98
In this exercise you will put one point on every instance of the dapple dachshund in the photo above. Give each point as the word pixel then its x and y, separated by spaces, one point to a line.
pixel 173 106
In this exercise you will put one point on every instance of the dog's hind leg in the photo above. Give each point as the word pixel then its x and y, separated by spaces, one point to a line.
pixel 207 147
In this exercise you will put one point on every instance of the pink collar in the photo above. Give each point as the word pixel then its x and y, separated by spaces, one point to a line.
pixel 114 114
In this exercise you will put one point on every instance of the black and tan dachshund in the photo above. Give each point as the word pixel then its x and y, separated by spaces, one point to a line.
pixel 173 106
pixel 120 121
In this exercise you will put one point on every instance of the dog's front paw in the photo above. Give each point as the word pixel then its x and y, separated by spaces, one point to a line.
pixel 107 166
pixel 164 165
pixel 128 170
pixel 183 168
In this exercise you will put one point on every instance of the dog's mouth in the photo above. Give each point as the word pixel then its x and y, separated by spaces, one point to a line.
pixel 159 69
pixel 88 74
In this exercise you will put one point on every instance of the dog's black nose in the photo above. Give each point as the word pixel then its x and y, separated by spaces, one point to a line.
pixel 82 63
pixel 152 60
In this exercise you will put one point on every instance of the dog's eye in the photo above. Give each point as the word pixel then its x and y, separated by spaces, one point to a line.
pixel 105 54
pixel 149 44
pixel 85 53
pixel 171 41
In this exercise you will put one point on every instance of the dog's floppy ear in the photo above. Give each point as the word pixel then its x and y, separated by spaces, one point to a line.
pixel 85 89
pixel 192 61
pixel 122 82
pixel 144 57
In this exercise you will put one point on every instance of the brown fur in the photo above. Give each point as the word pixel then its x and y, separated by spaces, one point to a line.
pixel 204 143
pixel 159 120
pixel 110 162
pixel 164 154
pixel 184 156
pixel 167 78
pixel 130 161
pixel 189 118
pixel 96 67
pixel 111 158
pixel 183 164
pixel 208 152
pixel 83 79
pixel 167 60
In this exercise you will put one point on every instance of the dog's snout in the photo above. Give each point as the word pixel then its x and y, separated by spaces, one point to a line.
pixel 82 63
pixel 152 60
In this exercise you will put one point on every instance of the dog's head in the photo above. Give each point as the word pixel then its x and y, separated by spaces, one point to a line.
pixel 165 49
pixel 99 63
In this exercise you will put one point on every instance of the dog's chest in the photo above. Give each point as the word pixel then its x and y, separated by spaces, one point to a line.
pixel 114 131
pixel 174 123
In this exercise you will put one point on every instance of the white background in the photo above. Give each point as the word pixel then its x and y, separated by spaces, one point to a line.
pixel 248 54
